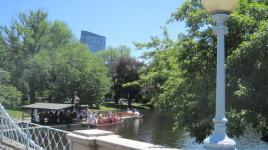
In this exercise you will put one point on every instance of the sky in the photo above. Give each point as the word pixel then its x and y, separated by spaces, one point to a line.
pixel 121 21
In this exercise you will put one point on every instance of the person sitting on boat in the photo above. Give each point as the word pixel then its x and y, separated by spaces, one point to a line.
pixel 36 118
pixel 91 119
pixel 89 116
pixel 136 112
pixel 115 118
pixel 129 111
pixel 78 116
pixel 109 116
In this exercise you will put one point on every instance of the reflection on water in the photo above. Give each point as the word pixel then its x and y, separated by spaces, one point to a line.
pixel 156 128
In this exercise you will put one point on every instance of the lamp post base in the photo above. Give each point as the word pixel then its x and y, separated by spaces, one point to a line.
pixel 226 143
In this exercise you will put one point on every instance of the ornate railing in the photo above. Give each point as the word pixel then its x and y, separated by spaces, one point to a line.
pixel 30 135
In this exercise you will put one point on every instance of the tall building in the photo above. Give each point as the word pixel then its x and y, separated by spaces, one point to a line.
pixel 93 41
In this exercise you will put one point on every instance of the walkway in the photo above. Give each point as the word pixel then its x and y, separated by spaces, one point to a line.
pixel 7 145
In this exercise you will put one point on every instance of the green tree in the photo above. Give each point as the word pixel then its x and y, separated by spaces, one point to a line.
pixel 126 71
pixel 68 70
pixel 111 57
pixel 27 35
pixel 9 95
pixel 182 73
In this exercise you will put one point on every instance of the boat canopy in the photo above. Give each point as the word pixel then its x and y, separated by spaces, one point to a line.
pixel 48 106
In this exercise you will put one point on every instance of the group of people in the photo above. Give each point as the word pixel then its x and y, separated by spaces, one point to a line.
pixel 76 116
pixel 134 112
pixel 54 116
pixel 109 118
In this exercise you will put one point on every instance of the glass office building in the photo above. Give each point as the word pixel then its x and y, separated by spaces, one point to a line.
pixel 93 41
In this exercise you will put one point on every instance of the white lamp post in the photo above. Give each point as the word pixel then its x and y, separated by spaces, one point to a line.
pixel 220 10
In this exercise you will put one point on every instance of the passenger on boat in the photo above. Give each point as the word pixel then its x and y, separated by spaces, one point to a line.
pixel 129 111
pixel 61 116
pixel 89 116
pixel 55 117
pixel 136 112
pixel 36 116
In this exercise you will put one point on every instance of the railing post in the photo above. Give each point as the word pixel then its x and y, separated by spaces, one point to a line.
pixel 1 123
pixel 49 142
pixel 1 129
pixel 27 144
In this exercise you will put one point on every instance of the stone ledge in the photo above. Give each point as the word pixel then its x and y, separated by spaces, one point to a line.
pixel 106 140
pixel 93 132
pixel 110 142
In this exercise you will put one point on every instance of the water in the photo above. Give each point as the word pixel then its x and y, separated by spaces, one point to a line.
pixel 156 128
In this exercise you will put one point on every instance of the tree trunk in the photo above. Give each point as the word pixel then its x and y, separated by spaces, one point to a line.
pixel 32 92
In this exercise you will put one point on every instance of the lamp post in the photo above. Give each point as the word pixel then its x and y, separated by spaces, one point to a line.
pixel 220 10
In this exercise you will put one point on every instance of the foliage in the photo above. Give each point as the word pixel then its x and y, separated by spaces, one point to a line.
pixel 9 96
pixel 27 35
pixel 181 74
pixel 72 68
pixel 111 55
pixel 46 62
pixel 126 71
pixel 123 69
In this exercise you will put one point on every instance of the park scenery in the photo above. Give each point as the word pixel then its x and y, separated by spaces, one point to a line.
pixel 183 89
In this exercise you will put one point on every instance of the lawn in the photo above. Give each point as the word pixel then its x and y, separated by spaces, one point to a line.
pixel 15 113
pixel 105 108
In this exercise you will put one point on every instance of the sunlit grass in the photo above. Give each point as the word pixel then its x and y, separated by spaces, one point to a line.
pixel 106 108
pixel 13 113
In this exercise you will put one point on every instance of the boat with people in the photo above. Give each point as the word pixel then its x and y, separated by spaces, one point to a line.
pixel 130 114
pixel 110 118
pixel 56 114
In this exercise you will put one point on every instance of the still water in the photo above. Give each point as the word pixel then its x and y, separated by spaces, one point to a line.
pixel 156 128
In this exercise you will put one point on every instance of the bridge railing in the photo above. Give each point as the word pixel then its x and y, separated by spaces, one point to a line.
pixel 30 135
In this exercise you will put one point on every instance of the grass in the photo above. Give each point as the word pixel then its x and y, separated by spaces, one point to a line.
pixel 105 108
pixel 111 106
pixel 140 106
pixel 125 106
pixel 15 113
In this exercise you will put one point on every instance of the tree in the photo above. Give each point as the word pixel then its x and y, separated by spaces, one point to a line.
pixel 126 71
pixel 183 72
pixel 111 55
pixel 27 35
pixel 9 95
pixel 111 58
pixel 68 70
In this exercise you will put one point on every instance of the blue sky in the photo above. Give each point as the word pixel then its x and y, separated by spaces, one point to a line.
pixel 121 21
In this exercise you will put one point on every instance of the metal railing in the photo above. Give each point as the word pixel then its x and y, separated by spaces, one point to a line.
pixel 30 135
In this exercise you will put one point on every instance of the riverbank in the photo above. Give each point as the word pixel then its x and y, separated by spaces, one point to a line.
pixel 138 106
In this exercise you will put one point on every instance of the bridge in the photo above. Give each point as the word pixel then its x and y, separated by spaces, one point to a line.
pixel 17 134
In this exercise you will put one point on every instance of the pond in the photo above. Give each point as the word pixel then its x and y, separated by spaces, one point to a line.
pixel 156 128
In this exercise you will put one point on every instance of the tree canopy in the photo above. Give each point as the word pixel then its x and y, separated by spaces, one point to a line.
pixel 123 69
pixel 44 60
pixel 181 74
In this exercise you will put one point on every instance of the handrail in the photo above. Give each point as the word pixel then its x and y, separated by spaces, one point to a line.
pixel 17 129
pixel 33 136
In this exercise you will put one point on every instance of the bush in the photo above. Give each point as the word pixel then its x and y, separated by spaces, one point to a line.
pixel 9 96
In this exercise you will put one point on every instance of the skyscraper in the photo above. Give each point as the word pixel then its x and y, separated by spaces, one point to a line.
pixel 93 41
